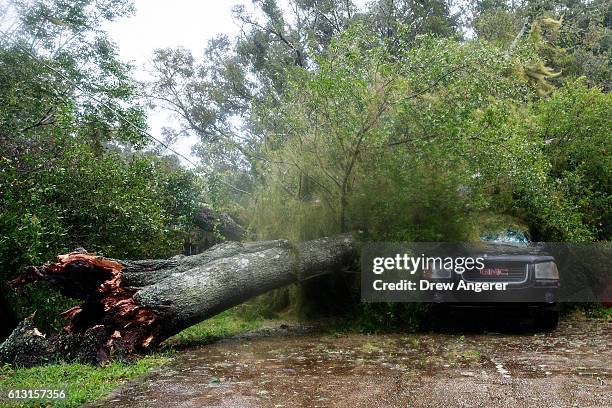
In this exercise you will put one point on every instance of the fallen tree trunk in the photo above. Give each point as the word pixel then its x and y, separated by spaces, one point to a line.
pixel 132 306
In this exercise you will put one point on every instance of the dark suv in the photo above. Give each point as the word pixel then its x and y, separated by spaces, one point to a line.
pixel 531 276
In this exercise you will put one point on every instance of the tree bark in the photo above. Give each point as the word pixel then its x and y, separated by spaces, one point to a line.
pixel 132 306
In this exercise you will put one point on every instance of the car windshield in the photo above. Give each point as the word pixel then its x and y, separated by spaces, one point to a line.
pixel 508 236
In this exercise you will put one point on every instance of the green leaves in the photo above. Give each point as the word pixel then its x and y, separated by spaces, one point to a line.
pixel 59 59
pixel 68 174
pixel 68 195
pixel 415 145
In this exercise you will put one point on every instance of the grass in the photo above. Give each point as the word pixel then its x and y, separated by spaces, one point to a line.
pixel 601 313
pixel 81 383
pixel 586 311
pixel 85 383
pixel 225 324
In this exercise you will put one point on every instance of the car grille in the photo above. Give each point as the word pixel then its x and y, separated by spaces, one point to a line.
pixel 511 272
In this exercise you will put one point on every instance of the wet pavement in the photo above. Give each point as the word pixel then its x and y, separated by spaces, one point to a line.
pixel 286 367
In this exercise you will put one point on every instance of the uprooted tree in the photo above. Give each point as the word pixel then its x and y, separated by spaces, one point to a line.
pixel 132 306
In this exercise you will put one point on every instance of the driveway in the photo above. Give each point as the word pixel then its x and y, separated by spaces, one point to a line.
pixel 295 367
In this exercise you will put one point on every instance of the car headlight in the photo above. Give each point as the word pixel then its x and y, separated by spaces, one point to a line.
pixel 546 270
pixel 436 273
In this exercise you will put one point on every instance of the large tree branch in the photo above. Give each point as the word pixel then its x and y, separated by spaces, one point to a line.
pixel 132 306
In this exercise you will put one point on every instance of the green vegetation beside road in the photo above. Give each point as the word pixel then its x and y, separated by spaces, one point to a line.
pixel 83 383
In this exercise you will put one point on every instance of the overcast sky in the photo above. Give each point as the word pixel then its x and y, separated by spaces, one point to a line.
pixel 162 23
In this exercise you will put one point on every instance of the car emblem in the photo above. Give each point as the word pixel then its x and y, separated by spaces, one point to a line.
pixel 494 272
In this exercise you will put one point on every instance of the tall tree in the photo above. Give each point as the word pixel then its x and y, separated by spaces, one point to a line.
pixel 221 98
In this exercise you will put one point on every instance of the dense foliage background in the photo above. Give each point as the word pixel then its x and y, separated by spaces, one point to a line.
pixel 72 172
pixel 410 120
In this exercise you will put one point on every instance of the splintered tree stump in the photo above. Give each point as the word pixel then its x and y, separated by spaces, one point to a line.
pixel 130 307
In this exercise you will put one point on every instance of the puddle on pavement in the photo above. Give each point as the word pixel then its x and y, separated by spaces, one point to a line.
pixel 320 370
